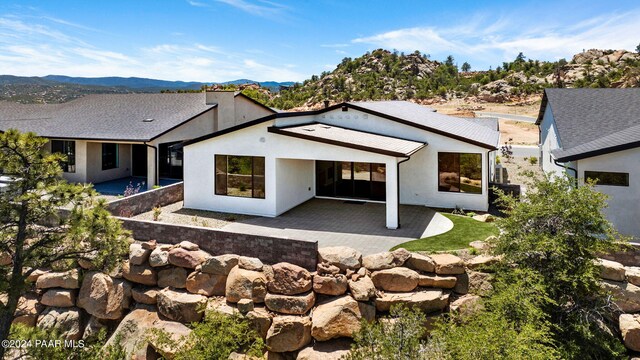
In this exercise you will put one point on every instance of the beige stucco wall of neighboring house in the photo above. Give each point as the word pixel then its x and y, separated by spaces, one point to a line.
pixel 198 126
pixel 95 174
pixel 624 209
pixel 247 110
pixel 80 175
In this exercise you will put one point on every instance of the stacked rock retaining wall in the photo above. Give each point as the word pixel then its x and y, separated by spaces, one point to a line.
pixel 301 314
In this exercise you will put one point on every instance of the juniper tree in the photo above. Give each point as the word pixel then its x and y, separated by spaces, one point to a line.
pixel 34 233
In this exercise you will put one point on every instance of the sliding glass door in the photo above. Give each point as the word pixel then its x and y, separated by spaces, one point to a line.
pixel 351 180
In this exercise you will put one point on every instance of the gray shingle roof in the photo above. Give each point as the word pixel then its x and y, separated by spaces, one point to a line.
pixel 594 121
pixel 426 117
pixel 105 117
pixel 352 138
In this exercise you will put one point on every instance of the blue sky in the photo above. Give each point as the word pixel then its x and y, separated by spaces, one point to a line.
pixel 220 40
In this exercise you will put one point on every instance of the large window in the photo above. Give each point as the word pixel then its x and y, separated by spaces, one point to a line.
pixel 608 178
pixel 109 156
pixel 239 176
pixel 67 148
pixel 460 172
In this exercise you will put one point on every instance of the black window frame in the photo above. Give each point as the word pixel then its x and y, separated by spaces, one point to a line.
pixel 107 163
pixel 67 148
pixel 224 190
pixel 597 175
pixel 459 172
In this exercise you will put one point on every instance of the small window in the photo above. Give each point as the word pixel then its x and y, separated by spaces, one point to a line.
pixel 68 149
pixel 460 172
pixel 608 178
pixel 241 176
pixel 109 156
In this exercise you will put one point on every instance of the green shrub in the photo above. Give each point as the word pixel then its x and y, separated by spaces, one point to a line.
pixel 533 160
pixel 216 337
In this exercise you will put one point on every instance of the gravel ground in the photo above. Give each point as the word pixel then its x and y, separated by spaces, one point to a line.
pixel 517 166
pixel 176 214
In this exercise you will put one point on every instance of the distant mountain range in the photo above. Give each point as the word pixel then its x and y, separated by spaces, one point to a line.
pixel 60 88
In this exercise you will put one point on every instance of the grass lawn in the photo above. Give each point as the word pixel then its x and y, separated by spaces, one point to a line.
pixel 465 230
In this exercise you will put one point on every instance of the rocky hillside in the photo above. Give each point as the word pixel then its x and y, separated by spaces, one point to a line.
pixel 385 75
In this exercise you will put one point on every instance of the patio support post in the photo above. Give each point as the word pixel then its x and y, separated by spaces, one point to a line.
pixel 392 183
pixel 152 166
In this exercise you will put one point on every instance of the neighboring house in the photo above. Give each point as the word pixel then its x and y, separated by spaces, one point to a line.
pixel 389 151
pixel 106 137
pixel 595 133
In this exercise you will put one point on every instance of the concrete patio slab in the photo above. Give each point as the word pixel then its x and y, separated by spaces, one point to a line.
pixel 360 225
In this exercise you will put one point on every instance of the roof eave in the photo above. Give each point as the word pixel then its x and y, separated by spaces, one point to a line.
pixel 604 151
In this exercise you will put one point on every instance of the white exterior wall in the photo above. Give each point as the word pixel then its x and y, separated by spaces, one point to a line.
pixel 295 184
pixel 287 180
pixel 256 141
pixel 549 141
pixel 418 176
pixel 624 209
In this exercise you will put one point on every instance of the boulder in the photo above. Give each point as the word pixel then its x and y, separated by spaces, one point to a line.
pixel 633 275
pixel 67 280
pixel 67 321
pixel 462 284
pixel 386 260
pixel 480 283
pixel 625 295
pixel 141 274
pixel 362 289
pixel 5 259
pixel 133 332
pixel 340 256
pixel 327 269
pixel 220 265
pixel 174 277
pixel 425 300
pixel 59 298
pixel 290 304
pixel 436 281
pixel 149 245
pixel 261 321
pixel 289 333
pixel 160 256
pixel 630 329
pixel 611 270
pixel 447 264
pixel 336 317
pixel 250 263
pixel 482 262
pixel 137 254
pixel 145 295
pixel 186 258
pixel 246 284
pixel 28 310
pixel 421 262
pixel 221 306
pixel 206 284
pixel 180 305
pixel 330 285
pixel 466 305
pixel 188 245
pixel 484 218
pixel 35 274
pixel 396 279
pixel 92 329
pixel 289 279
pixel 245 305
pixel 326 350
pixel 103 296
pixel 480 245
pixel 177 334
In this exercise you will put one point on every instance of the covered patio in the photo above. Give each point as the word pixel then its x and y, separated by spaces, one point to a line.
pixel 356 224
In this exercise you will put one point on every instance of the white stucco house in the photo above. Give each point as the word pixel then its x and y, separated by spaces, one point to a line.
pixel 112 136
pixel 595 133
pixel 394 152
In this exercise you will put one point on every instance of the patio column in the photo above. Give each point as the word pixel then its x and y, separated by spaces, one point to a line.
pixel 152 163
pixel 392 194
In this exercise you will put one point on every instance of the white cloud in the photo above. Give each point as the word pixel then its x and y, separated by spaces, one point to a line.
pixel 197 3
pixel 497 40
pixel 266 9
pixel 36 49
